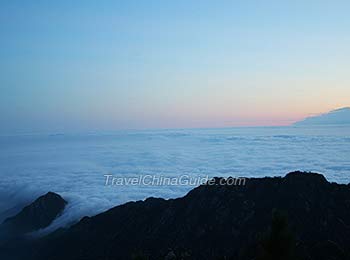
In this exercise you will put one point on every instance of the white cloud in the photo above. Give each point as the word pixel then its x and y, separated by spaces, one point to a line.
pixel 74 165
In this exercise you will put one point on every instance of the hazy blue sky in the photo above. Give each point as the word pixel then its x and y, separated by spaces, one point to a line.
pixel 95 65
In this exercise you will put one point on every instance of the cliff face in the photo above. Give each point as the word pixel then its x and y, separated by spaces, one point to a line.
pixel 35 216
pixel 216 221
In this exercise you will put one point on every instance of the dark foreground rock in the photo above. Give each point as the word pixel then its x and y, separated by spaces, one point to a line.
pixel 300 216
pixel 35 216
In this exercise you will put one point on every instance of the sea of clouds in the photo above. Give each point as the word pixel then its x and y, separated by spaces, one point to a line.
pixel 75 165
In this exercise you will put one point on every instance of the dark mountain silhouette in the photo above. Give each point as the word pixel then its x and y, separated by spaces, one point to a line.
pixel 35 216
pixel 335 117
pixel 300 216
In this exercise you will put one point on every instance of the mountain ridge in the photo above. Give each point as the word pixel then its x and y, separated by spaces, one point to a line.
pixel 214 221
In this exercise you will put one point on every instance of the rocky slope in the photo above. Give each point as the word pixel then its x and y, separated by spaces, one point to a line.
pixel 218 221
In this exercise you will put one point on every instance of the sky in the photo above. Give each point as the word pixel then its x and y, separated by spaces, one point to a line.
pixel 106 65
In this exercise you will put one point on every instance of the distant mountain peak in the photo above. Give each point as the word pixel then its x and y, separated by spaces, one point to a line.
pixel 340 116
pixel 39 214
pixel 343 109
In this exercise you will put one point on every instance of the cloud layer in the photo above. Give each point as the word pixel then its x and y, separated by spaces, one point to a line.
pixel 74 165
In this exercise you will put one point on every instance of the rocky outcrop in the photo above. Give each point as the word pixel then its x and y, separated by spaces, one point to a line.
pixel 37 215
pixel 218 221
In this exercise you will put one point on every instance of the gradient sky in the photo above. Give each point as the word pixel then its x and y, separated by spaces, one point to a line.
pixel 104 65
